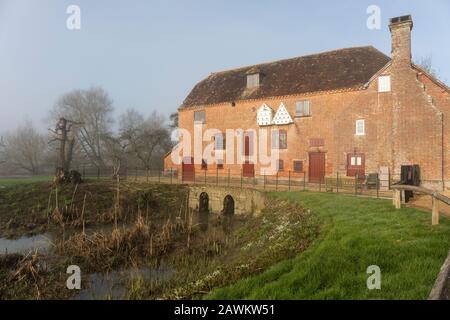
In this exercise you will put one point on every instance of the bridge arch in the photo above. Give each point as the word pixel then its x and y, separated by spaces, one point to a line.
pixel 216 199
pixel 228 205
pixel 203 202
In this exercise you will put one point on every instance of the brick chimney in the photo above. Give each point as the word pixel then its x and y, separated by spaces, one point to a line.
pixel 401 39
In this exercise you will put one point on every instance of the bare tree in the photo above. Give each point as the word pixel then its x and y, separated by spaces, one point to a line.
pixel 24 149
pixel 115 152
pixel 173 120
pixel 92 111
pixel 426 63
pixel 63 134
pixel 147 139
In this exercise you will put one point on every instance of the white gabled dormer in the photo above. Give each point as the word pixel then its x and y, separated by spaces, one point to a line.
pixel 264 115
pixel 282 116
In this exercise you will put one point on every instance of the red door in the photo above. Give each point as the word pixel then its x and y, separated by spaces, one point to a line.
pixel 188 169
pixel 248 169
pixel 316 167
pixel 356 164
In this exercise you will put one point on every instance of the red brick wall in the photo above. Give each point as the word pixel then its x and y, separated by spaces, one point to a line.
pixel 402 127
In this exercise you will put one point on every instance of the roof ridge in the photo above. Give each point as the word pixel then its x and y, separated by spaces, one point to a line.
pixel 292 58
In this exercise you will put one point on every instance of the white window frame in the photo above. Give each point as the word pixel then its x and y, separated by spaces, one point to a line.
pixel 360 127
pixel 384 84
pixel 356 161
pixel 305 109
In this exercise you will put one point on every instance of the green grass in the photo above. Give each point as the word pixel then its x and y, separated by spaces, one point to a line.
pixel 355 233
pixel 21 181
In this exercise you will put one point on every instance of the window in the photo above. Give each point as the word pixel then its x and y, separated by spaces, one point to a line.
pixel 220 164
pixel 355 164
pixel 360 128
pixel 252 80
pixel 219 141
pixel 298 166
pixel 303 108
pixel 204 165
pixel 384 84
pixel 280 165
pixel 355 160
pixel 279 139
pixel 199 117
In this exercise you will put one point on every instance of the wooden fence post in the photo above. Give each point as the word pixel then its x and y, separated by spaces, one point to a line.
pixel 397 199
pixel 217 176
pixel 171 175
pixel 435 212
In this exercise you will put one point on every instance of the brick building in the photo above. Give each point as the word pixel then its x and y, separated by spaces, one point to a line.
pixel 350 111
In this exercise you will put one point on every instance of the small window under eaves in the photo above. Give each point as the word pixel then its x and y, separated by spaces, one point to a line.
pixel 384 84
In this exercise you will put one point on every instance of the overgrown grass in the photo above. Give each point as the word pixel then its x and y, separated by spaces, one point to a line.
pixel 356 233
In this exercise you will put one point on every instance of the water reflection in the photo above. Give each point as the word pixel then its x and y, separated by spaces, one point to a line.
pixel 113 285
pixel 40 242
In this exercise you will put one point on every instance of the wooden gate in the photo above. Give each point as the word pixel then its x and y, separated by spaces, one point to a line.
pixel 316 167
pixel 188 169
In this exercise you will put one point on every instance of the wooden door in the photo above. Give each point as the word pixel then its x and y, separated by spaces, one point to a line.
pixel 316 167
pixel 188 169
pixel 356 164
pixel 248 169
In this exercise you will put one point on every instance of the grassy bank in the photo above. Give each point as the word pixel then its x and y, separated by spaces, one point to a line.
pixel 8 182
pixel 356 233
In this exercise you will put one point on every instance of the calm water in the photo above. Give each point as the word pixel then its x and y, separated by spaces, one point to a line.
pixel 113 285
pixel 40 242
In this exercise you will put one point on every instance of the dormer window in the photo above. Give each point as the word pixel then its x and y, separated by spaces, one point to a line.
pixel 253 78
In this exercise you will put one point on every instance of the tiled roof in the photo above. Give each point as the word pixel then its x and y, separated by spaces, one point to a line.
pixel 333 70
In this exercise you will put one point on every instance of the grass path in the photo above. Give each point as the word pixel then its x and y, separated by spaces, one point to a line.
pixel 356 233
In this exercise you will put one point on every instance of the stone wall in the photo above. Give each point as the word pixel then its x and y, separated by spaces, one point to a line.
pixel 246 200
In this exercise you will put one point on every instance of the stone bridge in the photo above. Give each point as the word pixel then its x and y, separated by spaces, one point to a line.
pixel 226 200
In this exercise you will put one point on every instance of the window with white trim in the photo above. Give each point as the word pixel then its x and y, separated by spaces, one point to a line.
pixel 303 108
pixel 384 84
pixel 360 127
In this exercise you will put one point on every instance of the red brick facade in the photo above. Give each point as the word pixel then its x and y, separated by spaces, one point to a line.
pixel 410 124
